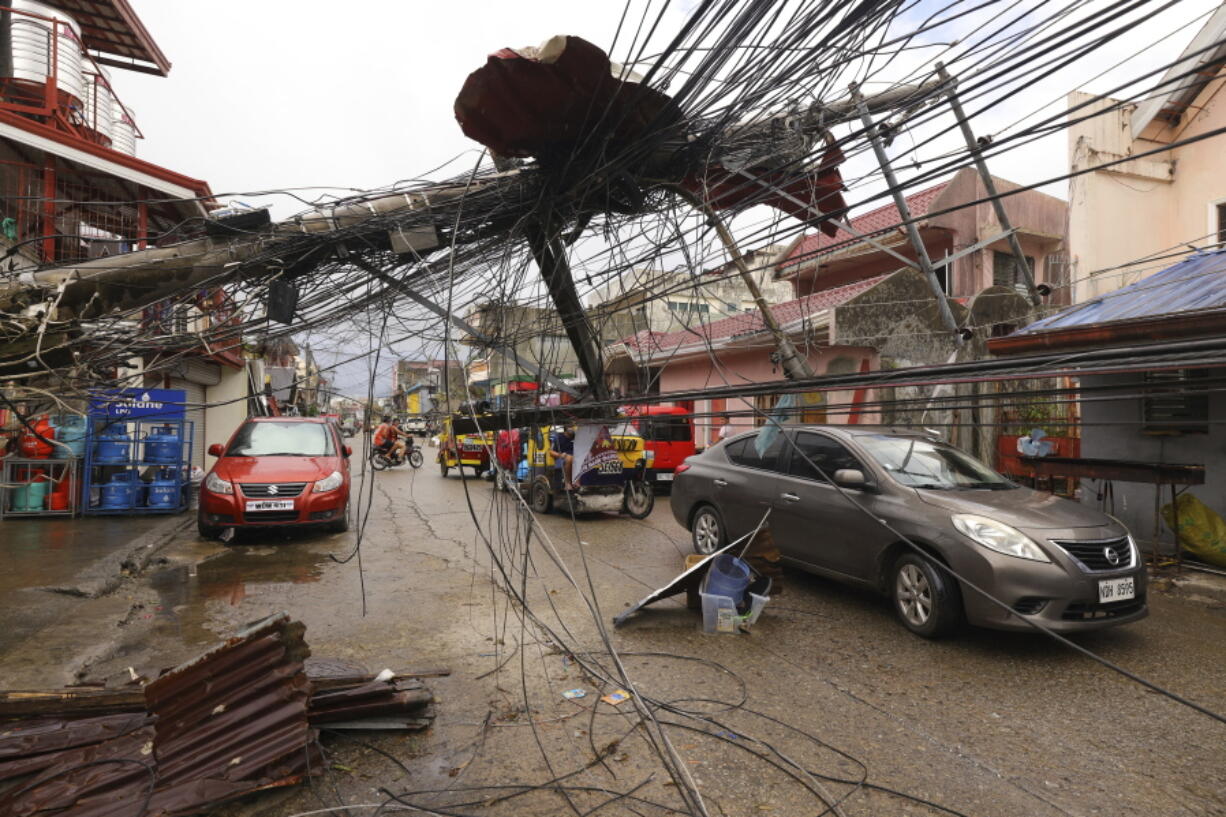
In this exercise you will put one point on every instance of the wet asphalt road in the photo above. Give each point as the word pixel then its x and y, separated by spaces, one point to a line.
pixel 984 723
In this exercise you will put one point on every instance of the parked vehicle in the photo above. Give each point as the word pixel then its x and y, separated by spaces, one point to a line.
pixel 464 450
pixel 668 433
pixel 277 471
pixel 1049 559
pixel 617 485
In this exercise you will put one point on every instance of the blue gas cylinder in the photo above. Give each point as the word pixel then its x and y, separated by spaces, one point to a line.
pixel 69 435
pixel 162 444
pixel 164 491
pixel 120 493
pixel 111 445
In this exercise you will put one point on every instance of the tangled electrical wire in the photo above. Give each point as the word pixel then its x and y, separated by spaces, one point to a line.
pixel 758 87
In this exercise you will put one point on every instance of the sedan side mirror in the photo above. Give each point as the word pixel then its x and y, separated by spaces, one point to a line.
pixel 348 451
pixel 850 478
pixel 216 450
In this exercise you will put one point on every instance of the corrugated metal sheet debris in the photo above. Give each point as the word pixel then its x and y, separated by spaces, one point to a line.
pixel 236 720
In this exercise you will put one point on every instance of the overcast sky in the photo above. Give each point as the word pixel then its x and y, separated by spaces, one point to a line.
pixel 277 94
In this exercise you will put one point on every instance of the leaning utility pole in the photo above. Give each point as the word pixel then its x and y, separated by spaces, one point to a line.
pixel 904 212
pixel 989 184
pixel 795 366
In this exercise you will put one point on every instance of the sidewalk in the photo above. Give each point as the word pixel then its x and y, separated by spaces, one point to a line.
pixel 82 557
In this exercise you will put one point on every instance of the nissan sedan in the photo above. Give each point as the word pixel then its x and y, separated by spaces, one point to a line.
pixel 882 507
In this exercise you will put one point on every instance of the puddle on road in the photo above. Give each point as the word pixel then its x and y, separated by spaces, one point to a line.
pixel 240 573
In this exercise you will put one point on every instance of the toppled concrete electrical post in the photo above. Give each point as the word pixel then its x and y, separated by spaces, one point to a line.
pixel 900 201
pixel 989 184
pixel 555 270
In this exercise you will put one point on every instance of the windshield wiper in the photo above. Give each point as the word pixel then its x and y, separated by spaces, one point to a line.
pixel 932 486
pixel 991 486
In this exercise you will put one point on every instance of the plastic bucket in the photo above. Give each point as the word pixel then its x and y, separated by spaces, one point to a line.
pixel 728 576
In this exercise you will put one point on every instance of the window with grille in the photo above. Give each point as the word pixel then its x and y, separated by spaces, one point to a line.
pixel 1005 271
pixel 1176 402
pixel 689 307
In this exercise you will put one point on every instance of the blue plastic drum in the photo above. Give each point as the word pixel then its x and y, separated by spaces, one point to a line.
pixel 728 576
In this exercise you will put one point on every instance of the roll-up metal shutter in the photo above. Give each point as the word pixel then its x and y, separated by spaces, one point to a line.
pixel 195 414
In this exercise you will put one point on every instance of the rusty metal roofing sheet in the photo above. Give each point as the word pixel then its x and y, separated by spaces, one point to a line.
pixel 231 722
pixel 1197 283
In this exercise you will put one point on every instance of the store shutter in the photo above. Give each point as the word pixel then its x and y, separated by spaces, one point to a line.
pixel 195 414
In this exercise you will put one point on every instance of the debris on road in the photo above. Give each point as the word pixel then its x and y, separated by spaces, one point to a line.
pixel 616 697
pixel 762 560
pixel 241 718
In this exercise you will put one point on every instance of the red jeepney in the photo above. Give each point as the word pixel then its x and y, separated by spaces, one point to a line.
pixel 668 432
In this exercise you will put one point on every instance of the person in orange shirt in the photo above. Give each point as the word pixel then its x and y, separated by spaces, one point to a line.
pixel 385 435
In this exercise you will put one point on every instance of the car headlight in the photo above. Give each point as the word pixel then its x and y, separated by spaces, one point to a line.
pixel 329 483
pixel 217 485
pixel 998 536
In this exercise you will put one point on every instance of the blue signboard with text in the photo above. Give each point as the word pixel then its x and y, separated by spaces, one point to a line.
pixel 138 404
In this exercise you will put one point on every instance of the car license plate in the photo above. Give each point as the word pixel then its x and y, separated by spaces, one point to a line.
pixel 271 505
pixel 1110 590
pixel 667 476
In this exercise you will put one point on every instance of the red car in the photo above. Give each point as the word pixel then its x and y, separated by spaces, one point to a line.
pixel 277 471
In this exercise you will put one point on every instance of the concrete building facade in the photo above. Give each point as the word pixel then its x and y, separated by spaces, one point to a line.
pixel 1141 196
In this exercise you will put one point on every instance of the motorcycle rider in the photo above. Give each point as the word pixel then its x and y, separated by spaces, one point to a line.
pixel 400 441
pixel 385 436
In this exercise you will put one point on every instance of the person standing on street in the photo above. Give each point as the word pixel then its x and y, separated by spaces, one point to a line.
pixel 562 449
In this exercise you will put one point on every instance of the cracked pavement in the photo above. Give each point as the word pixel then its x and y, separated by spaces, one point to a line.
pixel 984 723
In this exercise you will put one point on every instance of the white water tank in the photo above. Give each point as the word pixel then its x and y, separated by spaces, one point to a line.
pixel 123 134
pixel 99 105
pixel 27 43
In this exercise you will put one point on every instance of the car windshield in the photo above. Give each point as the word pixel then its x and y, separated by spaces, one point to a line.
pixel 272 439
pixel 919 463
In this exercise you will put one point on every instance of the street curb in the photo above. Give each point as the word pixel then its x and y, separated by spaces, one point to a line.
pixel 1203 588
pixel 106 574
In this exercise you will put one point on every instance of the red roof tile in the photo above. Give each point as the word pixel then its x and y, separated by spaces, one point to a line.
pixel 748 323
pixel 874 221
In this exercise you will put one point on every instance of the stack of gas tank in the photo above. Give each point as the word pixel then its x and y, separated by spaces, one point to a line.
pixel 159 449
pixel 58 439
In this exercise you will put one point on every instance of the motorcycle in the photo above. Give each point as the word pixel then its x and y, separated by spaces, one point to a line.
pixel 380 460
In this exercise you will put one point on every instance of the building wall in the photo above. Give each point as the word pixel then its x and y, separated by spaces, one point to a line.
pixel 748 366
pixel 1041 222
pixel 1150 206
pixel 670 301
pixel 227 406
pixel 1121 438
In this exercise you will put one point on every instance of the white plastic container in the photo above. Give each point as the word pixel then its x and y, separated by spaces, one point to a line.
pixel 719 613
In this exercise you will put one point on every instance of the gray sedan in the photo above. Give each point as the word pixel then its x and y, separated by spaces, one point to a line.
pixel 845 501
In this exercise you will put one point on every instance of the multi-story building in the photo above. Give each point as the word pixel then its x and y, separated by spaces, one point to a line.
pixel 1149 185
pixel 72 186
pixel 660 301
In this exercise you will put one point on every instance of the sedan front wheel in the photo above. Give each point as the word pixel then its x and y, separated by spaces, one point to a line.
pixel 925 597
